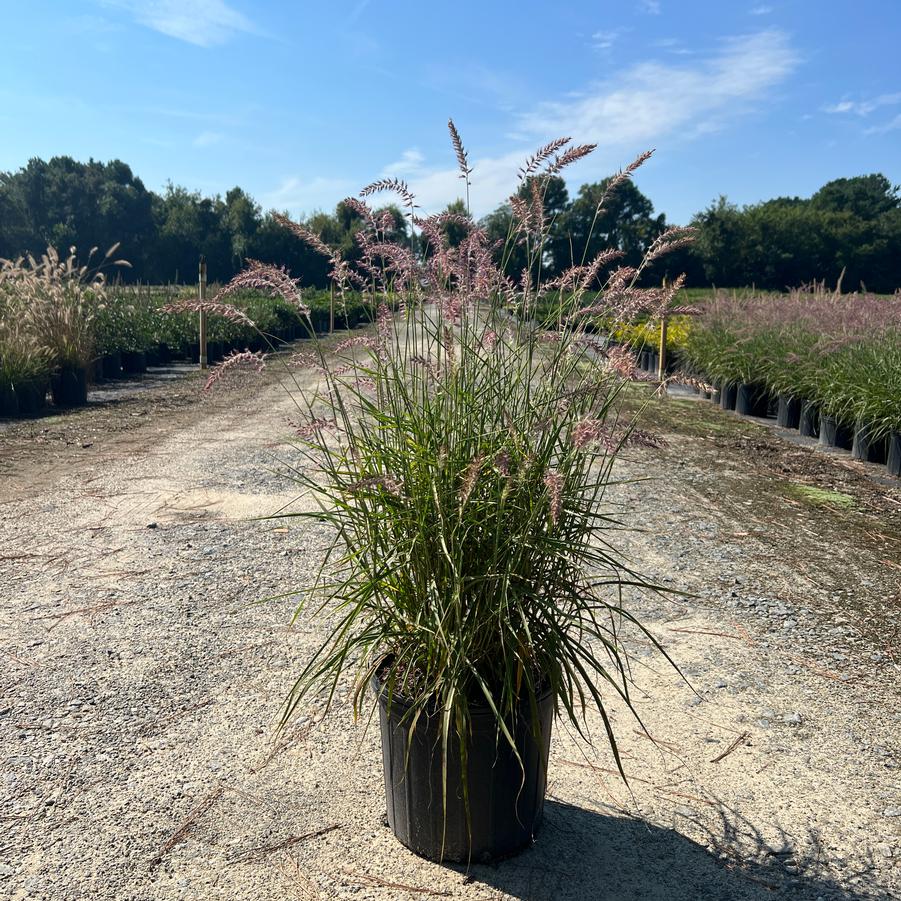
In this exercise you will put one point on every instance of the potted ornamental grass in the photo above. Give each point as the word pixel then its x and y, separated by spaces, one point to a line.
pixel 461 455
pixel 24 365
pixel 58 299
pixel 24 361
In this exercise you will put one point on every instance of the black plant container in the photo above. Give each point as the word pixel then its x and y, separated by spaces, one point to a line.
pixel 751 400
pixel 867 448
pixel 134 362
pixel 834 434
pixel 728 395
pixel 893 462
pixel 809 421
pixel 112 366
pixel 32 396
pixel 69 386
pixel 505 811
pixel 788 414
pixel 9 402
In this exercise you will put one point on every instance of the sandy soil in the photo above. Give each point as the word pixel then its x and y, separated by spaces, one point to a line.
pixel 140 682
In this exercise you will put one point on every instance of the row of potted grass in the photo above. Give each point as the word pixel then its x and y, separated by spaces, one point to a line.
pixel 63 326
pixel 828 364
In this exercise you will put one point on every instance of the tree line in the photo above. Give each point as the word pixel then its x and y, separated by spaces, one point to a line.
pixel 851 225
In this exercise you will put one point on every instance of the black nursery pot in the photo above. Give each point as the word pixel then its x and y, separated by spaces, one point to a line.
pixel 504 811
pixel 893 463
pixel 834 434
pixel 751 400
pixel 867 448
pixel 9 402
pixel 809 420
pixel 31 396
pixel 112 366
pixel 788 415
pixel 728 395
pixel 69 386
pixel 134 362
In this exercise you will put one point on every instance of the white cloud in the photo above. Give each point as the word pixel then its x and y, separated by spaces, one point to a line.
pixel 652 99
pixel 845 106
pixel 299 196
pixel 863 107
pixel 494 179
pixel 604 40
pixel 207 138
pixel 761 10
pixel 201 22
pixel 651 7
pixel 673 45
pixel 410 162
pixel 891 125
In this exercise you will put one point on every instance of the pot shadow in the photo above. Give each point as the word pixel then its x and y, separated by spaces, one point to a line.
pixel 580 855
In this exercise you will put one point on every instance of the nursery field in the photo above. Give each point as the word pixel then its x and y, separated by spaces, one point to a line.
pixel 64 327
pixel 141 683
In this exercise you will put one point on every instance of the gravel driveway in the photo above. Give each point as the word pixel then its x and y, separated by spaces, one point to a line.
pixel 140 682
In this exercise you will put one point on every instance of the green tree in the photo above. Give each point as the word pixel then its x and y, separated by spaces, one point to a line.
pixel 455 231
pixel 719 243
pixel 190 226
pixel 866 196
pixel 510 253
pixel 850 229
pixel 273 243
pixel 625 221
pixel 65 203
pixel 242 218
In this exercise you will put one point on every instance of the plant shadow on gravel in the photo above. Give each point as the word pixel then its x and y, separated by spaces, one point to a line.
pixel 580 855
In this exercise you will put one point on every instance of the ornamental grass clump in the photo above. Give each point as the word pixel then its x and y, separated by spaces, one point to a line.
pixel 55 301
pixel 837 351
pixel 23 358
pixel 461 455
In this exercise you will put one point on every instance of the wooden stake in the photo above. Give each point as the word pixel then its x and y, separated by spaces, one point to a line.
pixel 661 369
pixel 661 366
pixel 202 297
pixel 331 310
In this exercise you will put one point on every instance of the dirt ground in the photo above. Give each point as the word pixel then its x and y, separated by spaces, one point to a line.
pixel 140 682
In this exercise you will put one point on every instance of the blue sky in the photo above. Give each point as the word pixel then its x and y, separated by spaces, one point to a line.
pixel 302 103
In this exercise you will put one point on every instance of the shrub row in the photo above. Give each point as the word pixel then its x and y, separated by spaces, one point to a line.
pixel 133 319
